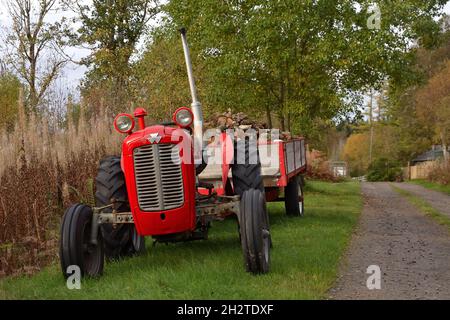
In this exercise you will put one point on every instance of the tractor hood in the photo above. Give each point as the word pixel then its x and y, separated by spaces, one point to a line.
pixel 157 134
pixel 161 184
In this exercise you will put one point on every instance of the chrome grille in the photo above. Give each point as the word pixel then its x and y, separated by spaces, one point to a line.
pixel 159 181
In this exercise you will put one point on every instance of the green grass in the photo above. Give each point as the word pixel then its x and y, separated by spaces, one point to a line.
pixel 305 260
pixel 432 186
pixel 424 207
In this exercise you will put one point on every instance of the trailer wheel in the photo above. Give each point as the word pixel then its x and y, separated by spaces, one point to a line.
pixel 76 248
pixel 293 197
pixel 246 175
pixel 123 239
pixel 255 232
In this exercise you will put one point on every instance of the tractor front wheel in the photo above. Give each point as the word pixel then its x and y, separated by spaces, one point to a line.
pixel 255 232
pixel 76 248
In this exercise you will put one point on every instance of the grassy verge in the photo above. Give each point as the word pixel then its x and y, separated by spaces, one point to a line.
pixel 305 260
pixel 432 185
pixel 425 207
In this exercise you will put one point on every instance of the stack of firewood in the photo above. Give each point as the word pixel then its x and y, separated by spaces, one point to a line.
pixel 230 120
pixel 239 122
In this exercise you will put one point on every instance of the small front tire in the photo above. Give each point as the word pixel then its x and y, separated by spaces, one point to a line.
pixel 255 232
pixel 76 248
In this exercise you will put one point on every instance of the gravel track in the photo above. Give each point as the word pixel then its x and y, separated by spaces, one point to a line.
pixel 436 199
pixel 411 249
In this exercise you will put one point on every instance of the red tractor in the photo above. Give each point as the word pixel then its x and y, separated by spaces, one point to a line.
pixel 162 187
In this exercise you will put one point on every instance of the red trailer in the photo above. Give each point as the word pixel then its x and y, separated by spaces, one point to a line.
pixel 283 164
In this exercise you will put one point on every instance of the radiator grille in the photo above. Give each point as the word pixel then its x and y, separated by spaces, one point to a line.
pixel 159 181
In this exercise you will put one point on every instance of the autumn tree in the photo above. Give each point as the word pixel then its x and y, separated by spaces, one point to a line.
pixel 433 106
pixel 35 46
pixel 413 136
pixel 356 154
pixel 357 147
pixel 414 108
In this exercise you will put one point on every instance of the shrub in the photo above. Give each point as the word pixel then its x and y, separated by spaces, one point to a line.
pixel 440 173
pixel 318 167
pixel 384 170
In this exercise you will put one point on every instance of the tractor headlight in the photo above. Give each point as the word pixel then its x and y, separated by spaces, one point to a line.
pixel 183 117
pixel 124 123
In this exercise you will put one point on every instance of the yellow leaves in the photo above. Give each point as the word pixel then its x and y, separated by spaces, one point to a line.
pixel 9 95
pixel 433 102
pixel 356 147
pixel 356 153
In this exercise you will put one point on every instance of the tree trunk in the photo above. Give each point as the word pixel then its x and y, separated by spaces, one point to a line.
pixel 282 123
pixel 269 117
pixel 282 105
pixel 446 154
pixel 371 127
pixel 287 96
pixel 33 90
pixel 289 121
pixel 444 147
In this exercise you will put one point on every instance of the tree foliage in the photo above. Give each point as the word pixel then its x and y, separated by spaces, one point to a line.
pixel 160 79
pixel 301 59
pixel 356 154
pixel 384 169
pixel 418 110
pixel 9 98
pixel 433 106
pixel 357 147
pixel 112 30
pixel 35 46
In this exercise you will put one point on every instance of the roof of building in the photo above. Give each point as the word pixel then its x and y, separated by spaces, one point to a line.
pixel 435 153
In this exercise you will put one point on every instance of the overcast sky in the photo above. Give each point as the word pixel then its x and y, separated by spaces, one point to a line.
pixel 73 73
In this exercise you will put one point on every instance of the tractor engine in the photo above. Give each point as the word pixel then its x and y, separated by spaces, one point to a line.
pixel 160 175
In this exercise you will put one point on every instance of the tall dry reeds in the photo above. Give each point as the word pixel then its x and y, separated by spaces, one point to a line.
pixel 41 172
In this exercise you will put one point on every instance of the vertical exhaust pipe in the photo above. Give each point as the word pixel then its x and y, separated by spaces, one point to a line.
pixel 196 105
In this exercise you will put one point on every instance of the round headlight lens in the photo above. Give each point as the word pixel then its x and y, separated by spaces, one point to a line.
pixel 183 117
pixel 124 123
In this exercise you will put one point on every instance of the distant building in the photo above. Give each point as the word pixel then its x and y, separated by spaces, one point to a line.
pixel 434 154
pixel 339 168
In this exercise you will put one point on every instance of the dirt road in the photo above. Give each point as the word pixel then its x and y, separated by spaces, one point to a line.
pixel 412 251
pixel 437 200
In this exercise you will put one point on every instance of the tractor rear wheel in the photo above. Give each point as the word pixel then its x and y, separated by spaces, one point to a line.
pixel 123 239
pixel 246 170
pixel 293 197
pixel 76 248
pixel 255 232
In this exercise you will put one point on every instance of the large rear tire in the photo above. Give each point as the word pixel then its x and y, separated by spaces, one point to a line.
pixel 123 239
pixel 293 197
pixel 76 248
pixel 255 232
pixel 246 170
